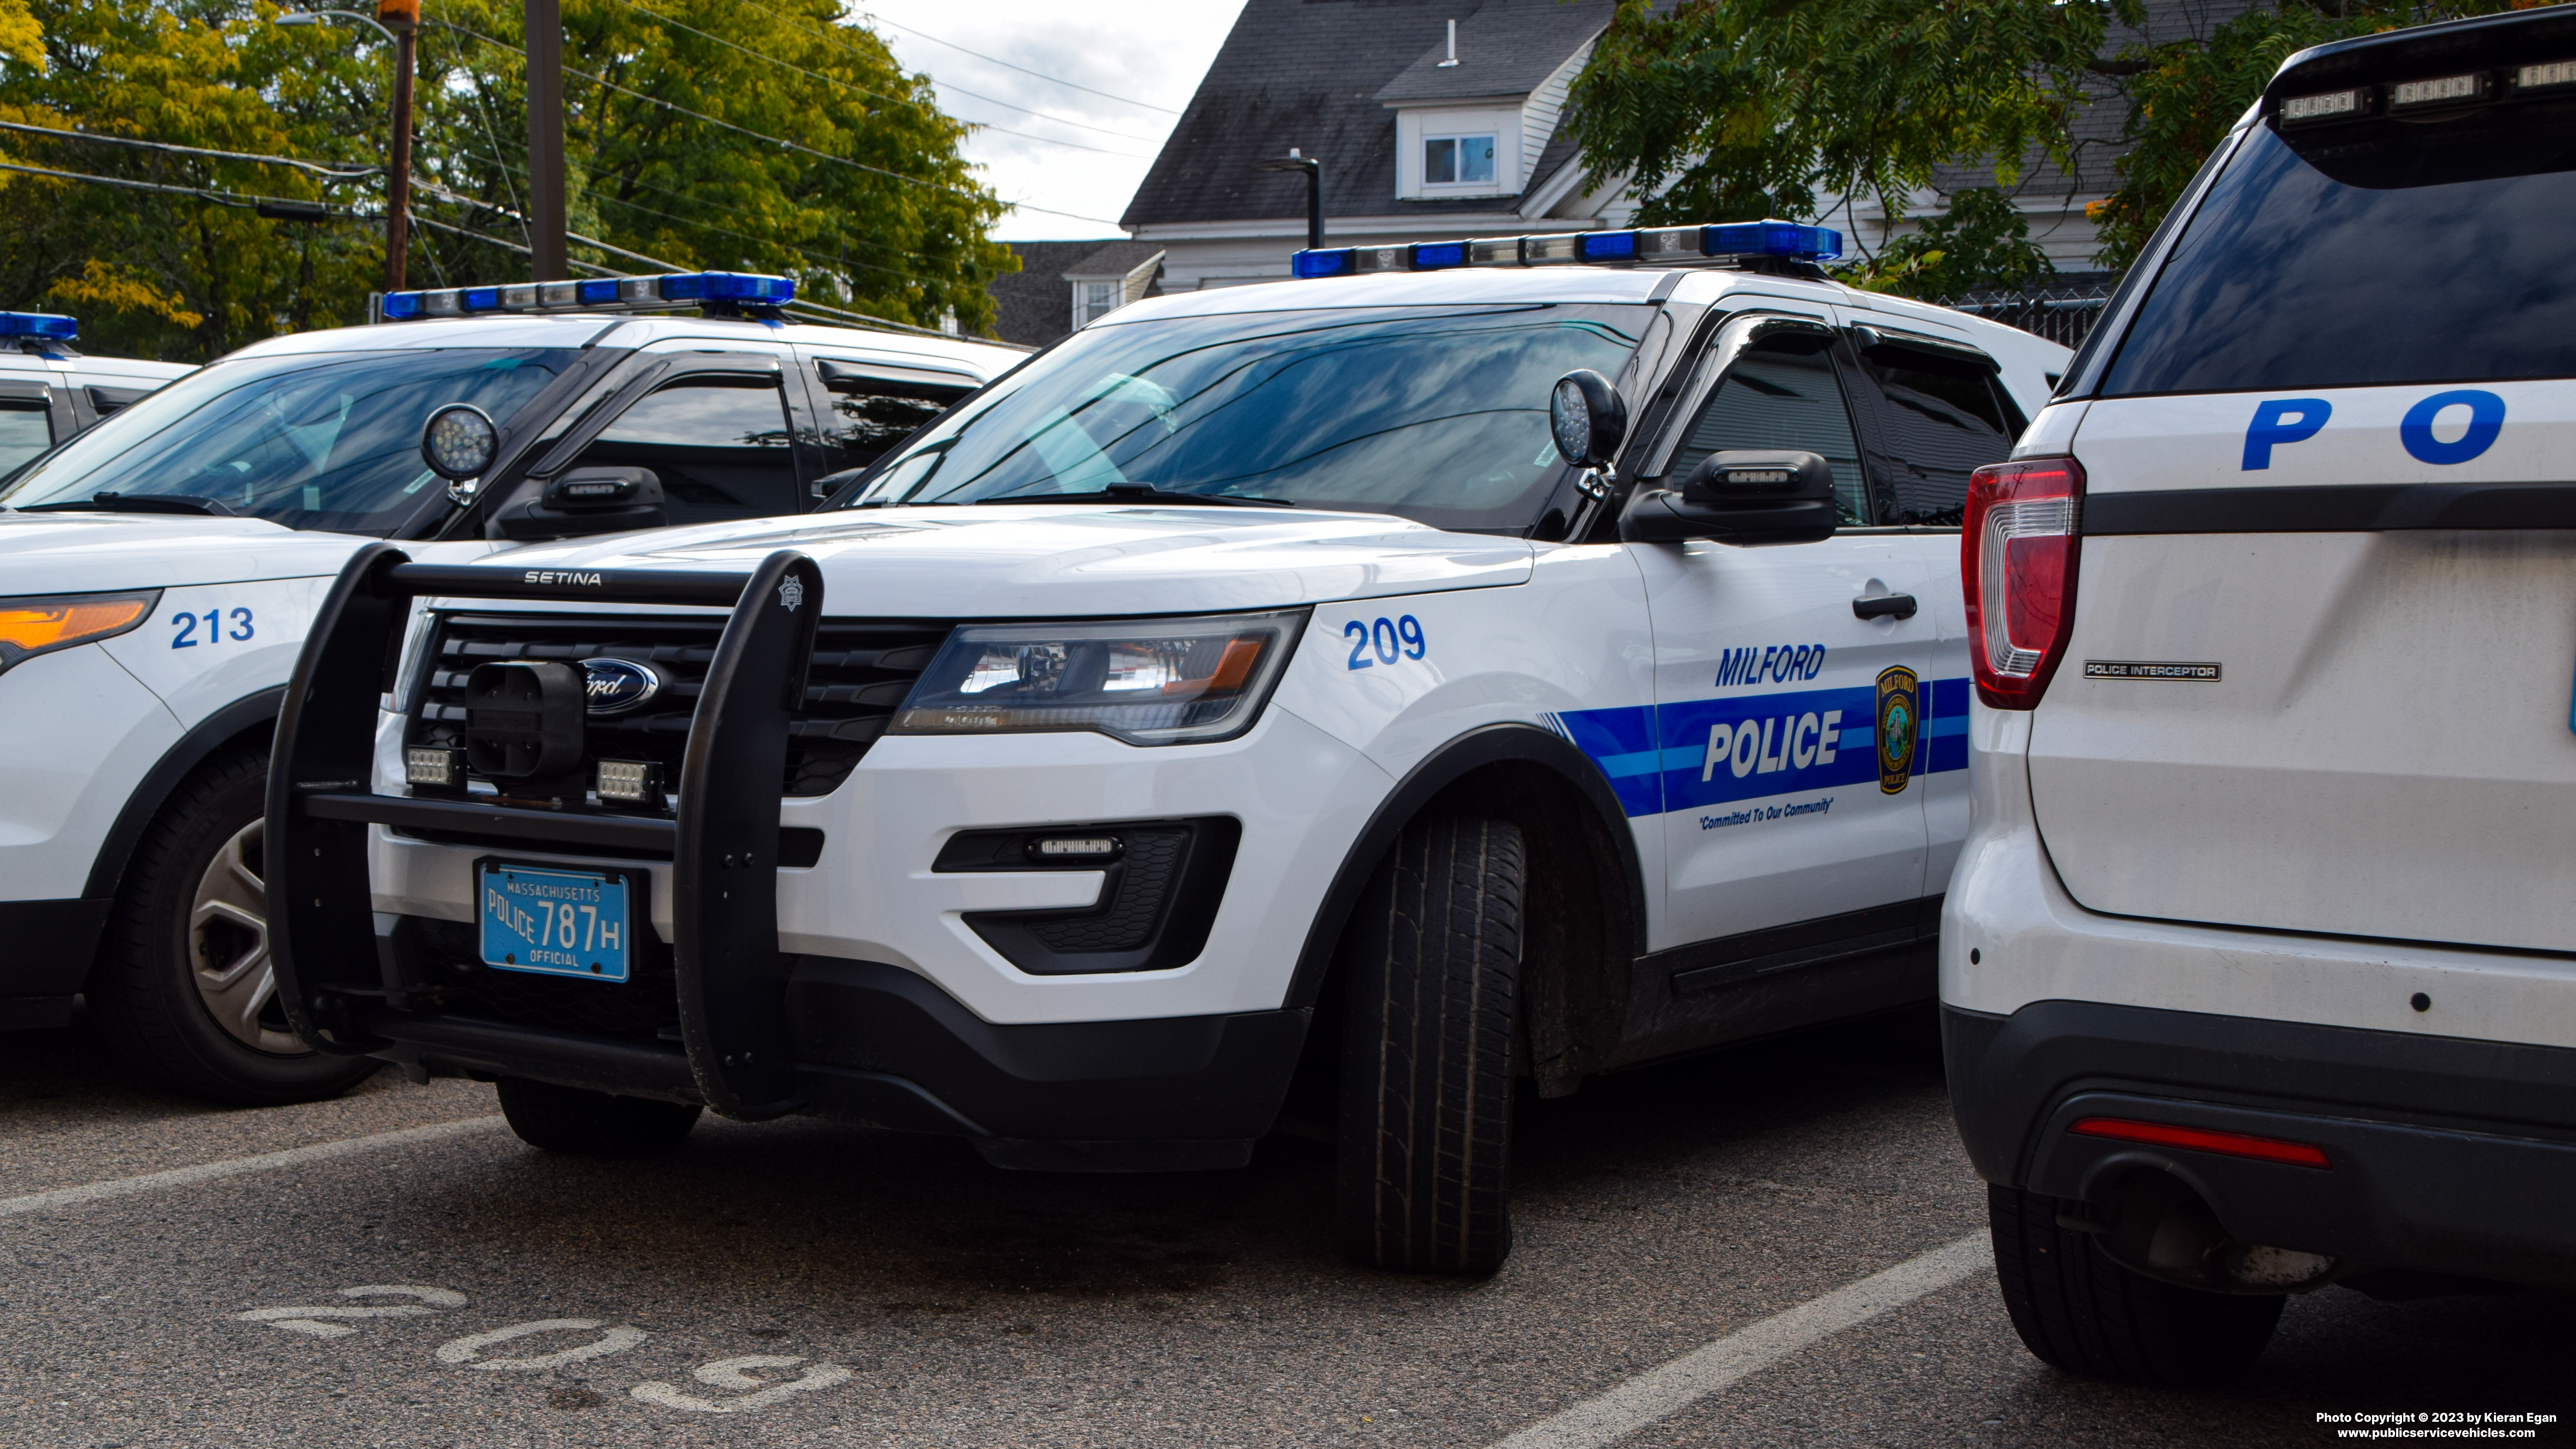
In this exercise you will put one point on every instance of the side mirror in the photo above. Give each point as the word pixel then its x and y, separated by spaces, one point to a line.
pixel 1588 418
pixel 1744 497
pixel 458 443
pixel 582 501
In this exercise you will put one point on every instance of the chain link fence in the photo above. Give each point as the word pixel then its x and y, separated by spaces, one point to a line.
pixel 2063 315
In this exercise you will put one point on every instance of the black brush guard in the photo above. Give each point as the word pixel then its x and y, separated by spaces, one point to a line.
pixel 722 841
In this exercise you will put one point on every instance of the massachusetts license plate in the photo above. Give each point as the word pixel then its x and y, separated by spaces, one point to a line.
pixel 560 922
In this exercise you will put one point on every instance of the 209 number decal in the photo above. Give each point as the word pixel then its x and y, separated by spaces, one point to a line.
pixel 186 624
pixel 1400 639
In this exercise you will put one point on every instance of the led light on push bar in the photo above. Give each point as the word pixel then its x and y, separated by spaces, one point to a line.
pixel 1076 847
pixel 432 767
pixel 2449 90
pixel 2326 106
pixel 2550 76
pixel 1327 262
pixel 2203 1139
pixel 631 782
pixel 38 324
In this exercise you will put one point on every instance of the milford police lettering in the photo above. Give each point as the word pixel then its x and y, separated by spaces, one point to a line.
pixel 1807 743
pixel 1770 664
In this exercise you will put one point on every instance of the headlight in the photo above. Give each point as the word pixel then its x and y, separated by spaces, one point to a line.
pixel 1145 681
pixel 29 627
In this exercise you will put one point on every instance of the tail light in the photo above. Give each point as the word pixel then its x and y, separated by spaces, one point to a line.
pixel 2017 557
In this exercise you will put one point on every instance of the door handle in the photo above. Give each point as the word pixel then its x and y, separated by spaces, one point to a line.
pixel 1899 606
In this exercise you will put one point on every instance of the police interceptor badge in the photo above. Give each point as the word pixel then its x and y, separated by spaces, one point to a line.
pixel 1896 729
pixel 791 593
pixel 2144 669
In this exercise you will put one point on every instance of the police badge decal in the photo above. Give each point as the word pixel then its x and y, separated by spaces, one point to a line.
pixel 1896 729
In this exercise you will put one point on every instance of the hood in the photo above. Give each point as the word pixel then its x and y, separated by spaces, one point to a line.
pixel 88 553
pixel 1064 560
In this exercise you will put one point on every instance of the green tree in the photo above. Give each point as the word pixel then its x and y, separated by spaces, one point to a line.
pixel 1726 110
pixel 1982 241
pixel 756 135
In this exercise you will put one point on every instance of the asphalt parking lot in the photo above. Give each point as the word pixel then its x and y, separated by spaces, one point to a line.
pixel 809 1283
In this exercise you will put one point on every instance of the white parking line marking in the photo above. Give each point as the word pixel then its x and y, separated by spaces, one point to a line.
pixel 88 1192
pixel 304 1320
pixel 1659 1393
pixel 469 1349
pixel 727 1373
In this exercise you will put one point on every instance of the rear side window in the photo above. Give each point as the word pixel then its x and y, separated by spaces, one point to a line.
pixel 1938 420
pixel 1781 394
pixel 26 429
pixel 719 446
pixel 2371 253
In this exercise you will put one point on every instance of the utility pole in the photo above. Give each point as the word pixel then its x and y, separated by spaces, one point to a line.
pixel 402 18
pixel 546 142
pixel 1297 160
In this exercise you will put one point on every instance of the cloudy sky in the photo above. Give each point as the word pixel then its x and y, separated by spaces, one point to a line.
pixel 1097 85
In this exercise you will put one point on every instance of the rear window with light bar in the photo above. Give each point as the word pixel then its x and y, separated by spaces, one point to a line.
pixel 2408 231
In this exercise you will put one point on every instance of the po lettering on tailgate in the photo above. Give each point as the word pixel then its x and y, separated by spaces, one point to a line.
pixel 2476 414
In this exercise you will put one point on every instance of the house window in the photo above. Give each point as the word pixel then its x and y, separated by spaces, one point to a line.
pixel 1458 160
pixel 1093 299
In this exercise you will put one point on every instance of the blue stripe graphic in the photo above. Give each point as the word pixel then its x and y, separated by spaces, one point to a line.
pixel 1659 759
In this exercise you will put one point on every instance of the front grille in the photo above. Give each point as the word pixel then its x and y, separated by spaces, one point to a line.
pixel 862 670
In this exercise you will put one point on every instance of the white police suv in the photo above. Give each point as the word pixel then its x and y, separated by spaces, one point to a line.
pixel 2259 969
pixel 1451 668
pixel 157 574
pixel 49 390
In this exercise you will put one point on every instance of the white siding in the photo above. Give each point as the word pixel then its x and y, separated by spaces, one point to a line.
pixel 1539 113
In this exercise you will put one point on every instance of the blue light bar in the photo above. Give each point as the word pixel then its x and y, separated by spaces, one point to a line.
pixel 1668 245
pixel 722 291
pixel 38 324
pixel 1327 262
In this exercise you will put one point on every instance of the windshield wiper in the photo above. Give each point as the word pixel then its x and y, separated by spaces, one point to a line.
pixel 136 503
pixel 1141 493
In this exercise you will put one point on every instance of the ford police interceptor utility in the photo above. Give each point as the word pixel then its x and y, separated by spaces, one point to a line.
pixel 2259 971
pixel 1374 673
pixel 157 574
pixel 49 390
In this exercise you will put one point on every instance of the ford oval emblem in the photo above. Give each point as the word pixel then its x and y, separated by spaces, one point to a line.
pixel 618 686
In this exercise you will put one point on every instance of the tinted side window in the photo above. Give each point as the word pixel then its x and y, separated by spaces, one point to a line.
pixel 719 447
pixel 1776 398
pixel 25 431
pixel 870 415
pixel 1937 422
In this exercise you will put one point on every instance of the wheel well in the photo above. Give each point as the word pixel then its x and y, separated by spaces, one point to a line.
pixel 243 724
pixel 1575 914
pixel 1583 908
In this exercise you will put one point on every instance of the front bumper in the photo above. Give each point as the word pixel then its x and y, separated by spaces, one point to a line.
pixel 2447 1156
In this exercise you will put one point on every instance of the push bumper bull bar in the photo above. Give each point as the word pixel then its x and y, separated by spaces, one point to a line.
pixel 722 838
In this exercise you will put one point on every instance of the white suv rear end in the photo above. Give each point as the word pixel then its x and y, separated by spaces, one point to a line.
pixel 2259 967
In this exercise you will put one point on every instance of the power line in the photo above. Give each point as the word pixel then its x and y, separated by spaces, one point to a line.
pixel 1024 70
pixel 829 38
pixel 315 167
pixel 864 91
pixel 216 195
pixel 783 143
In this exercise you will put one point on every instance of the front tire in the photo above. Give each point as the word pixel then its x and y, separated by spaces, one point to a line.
pixel 1433 967
pixel 184 989
pixel 2078 1310
pixel 593 1124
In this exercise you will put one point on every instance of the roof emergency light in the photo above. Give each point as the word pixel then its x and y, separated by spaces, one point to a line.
pixel 719 291
pixel 42 325
pixel 1668 246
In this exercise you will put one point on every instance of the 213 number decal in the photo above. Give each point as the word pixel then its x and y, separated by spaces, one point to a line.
pixel 186 624
pixel 1388 641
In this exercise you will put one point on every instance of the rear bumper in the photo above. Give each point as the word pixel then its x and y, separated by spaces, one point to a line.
pixel 879 1044
pixel 45 951
pixel 2447 1155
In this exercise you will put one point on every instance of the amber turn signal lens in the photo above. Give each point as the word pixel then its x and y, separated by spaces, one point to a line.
pixel 35 626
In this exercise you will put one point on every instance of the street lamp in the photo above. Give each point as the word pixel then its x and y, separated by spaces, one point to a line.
pixel 1314 169
pixel 405 18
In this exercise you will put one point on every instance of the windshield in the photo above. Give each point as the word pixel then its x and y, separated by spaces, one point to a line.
pixel 316 440
pixel 2358 255
pixel 1436 413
